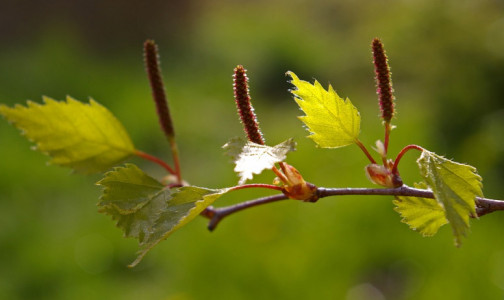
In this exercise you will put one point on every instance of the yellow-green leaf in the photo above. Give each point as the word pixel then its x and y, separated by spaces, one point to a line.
pixel 253 158
pixel 146 210
pixel 455 187
pixel 332 121
pixel 85 137
pixel 425 215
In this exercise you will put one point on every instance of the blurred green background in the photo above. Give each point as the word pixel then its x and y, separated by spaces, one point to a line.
pixel 447 59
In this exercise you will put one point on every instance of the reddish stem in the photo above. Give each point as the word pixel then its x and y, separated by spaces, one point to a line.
pixel 257 185
pixel 279 174
pixel 400 155
pixel 387 136
pixel 176 159
pixel 363 148
pixel 156 160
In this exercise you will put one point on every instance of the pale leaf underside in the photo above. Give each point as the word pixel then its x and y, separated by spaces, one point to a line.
pixel 254 158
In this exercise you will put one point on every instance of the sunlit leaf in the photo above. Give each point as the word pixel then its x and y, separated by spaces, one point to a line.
pixel 425 215
pixel 332 121
pixel 234 147
pixel 146 210
pixel 254 158
pixel 85 137
pixel 455 187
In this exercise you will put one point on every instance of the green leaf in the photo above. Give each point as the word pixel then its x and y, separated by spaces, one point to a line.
pixel 85 137
pixel 254 158
pixel 332 121
pixel 146 210
pixel 425 215
pixel 128 188
pixel 455 187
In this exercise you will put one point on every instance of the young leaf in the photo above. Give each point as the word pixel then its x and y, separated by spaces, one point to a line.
pixel 255 158
pixel 84 137
pixel 332 121
pixel 234 147
pixel 423 214
pixel 146 210
pixel 128 189
pixel 455 187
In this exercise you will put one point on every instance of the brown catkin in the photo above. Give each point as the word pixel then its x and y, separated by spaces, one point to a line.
pixel 158 92
pixel 383 82
pixel 245 109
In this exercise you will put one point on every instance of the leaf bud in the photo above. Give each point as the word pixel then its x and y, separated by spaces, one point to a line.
pixel 294 186
pixel 380 148
pixel 381 175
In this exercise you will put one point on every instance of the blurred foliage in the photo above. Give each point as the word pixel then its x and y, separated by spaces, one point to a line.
pixel 447 59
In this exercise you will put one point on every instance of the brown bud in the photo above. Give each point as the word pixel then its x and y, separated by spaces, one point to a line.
pixel 381 175
pixel 294 186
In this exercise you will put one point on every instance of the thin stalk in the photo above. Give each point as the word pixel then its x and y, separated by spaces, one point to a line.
pixel 366 152
pixel 176 159
pixel 387 136
pixel 400 155
pixel 156 160
pixel 256 185
pixel 279 174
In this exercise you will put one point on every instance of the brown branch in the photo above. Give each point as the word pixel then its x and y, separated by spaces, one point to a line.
pixel 217 214
pixel 483 205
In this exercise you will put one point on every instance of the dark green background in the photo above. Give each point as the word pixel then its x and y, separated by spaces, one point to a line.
pixel 447 59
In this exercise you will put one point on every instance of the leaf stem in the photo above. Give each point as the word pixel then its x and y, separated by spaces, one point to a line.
pixel 256 185
pixel 400 155
pixel 176 159
pixel 156 160
pixel 216 215
pixel 363 148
